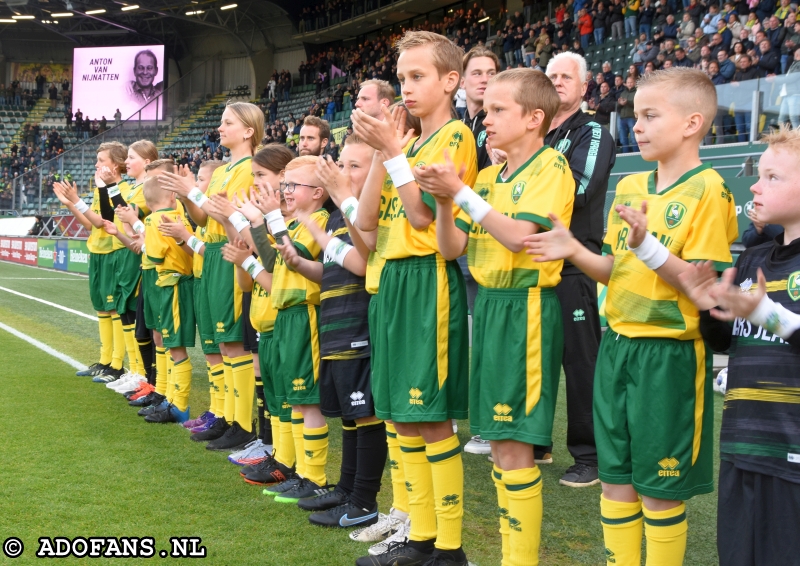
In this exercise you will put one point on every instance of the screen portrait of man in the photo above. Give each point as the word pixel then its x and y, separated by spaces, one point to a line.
pixel 145 70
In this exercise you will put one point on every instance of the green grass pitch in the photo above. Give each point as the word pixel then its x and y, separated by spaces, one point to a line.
pixel 77 461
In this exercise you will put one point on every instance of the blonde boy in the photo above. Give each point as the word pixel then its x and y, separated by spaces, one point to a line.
pixel 652 397
pixel 517 333
pixel 174 290
pixel 420 333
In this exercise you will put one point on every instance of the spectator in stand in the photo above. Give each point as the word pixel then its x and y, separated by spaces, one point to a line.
pixel 603 105
pixel 627 118
pixel 617 20
pixel 585 27
pixel 713 73
pixel 631 14
pixel 725 35
pixel 726 66
pixel 599 21
pixel 670 29
pixel 744 71
pixel 647 13
pixel 681 60
pixel 709 23
pixel 117 118
pixel 768 60
pixel 68 116
pixel 53 92
pixel 686 30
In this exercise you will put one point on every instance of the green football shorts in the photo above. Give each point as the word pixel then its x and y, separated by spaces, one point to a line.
pixel 653 415
pixel 129 268
pixel 152 298
pixel 204 326
pixel 296 357
pixel 222 296
pixel 102 282
pixel 266 356
pixel 176 315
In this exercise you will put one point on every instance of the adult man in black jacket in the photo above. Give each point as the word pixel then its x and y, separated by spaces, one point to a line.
pixel 591 152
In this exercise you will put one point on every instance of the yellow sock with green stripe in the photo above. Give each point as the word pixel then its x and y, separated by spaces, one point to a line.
pixel 182 383
pixel 286 454
pixel 447 472
pixel 137 353
pixel 131 347
pixel 622 531
pixel 118 353
pixel 419 485
pixel 275 422
pixel 524 493
pixel 212 401
pixel 502 513
pixel 218 390
pixel 396 469
pixel 244 389
pixel 170 378
pixel 161 370
pixel 315 446
pixel 298 423
pixel 665 532
pixel 229 401
pixel 106 338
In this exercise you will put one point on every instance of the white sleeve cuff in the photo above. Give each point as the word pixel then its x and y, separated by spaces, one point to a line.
pixel 239 221
pixel 350 209
pixel 775 317
pixel 81 206
pixel 337 250
pixel 197 197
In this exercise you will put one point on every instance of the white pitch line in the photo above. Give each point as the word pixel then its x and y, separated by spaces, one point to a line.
pixel 44 347
pixel 40 279
pixel 63 308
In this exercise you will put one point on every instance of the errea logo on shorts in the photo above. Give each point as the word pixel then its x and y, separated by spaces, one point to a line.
pixel 578 315
pixel 503 413
pixel 357 398
pixel 415 396
pixel 298 384
pixel 220 327
pixel 668 466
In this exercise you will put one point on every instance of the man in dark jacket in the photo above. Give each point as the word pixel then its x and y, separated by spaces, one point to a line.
pixel 744 71
pixel 768 62
pixel 590 151
pixel 603 104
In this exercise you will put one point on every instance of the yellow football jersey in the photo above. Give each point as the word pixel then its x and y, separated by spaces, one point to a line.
pixel 693 218
pixel 289 288
pixel 396 238
pixel 170 260
pixel 542 185
pixel 197 259
pixel 100 241
pixel 375 265
pixel 144 212
pixel 230 179
pixel 262 311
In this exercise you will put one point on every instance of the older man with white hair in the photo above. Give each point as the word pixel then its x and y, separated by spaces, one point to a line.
pixel 591 152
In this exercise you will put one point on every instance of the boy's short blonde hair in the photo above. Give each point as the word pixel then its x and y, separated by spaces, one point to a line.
pixel 784 138
pixel 211 164
pixel 446 55
pixel 305 161
pixel 167 165
pixel 533 91
pixel 153 193
pixel 697 92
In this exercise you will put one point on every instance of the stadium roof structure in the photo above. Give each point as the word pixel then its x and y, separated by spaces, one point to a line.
pixel 92 23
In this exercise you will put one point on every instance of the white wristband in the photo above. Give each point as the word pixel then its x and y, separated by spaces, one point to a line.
pixel 350 209
pixel 239 221
pixel 472 203
pixel 775 317
pixel 196 244
pixel 399 170
pixel 337 250
pixel 138 227
pixel 251 266
pixel 113 191
pixel 81 206
pixel 197 197
pixel 651 252
pixel 275 221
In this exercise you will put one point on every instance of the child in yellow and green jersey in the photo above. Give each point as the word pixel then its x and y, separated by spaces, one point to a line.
pixel 518 338
pixel 174 287
pixel 653 412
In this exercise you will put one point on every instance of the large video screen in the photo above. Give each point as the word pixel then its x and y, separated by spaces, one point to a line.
pixel 107 79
